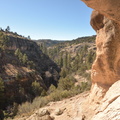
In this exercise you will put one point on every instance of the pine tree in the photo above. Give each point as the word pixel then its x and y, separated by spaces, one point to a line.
pixel 63 72
pixel 7 29
pixel 36 88
pixel 17 52
pixel 3 41
pixel 29 37
pixel 69 61
pixel 1 92
pixel 65 60
pixel 61 61
pixel 24 59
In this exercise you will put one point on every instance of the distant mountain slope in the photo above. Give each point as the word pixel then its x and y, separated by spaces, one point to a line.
pixel 74 57
pixel 48 42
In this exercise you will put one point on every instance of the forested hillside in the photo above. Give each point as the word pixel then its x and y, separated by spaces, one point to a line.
pixel 33 75
pixel 48 42
pixel 25 72
pixel 73 57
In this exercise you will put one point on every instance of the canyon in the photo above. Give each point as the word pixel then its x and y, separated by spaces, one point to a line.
pixel 103 99
pixel 22 64
pixel 102 103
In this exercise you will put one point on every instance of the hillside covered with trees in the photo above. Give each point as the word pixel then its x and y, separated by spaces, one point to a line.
pixel 74 56
pixel 25 72
pixel 34 75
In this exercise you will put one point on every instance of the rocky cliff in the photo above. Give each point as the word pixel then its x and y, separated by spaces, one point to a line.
pixel 22 63
pixel 33 52
pixel 105 20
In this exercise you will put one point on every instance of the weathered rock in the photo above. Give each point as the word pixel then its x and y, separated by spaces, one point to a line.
pixel 108 8
pixel 59 111
pixel 106 68
pixel 35 117
pixel 110 109
pixel 97 20
pixel 105 19
pixel 43 112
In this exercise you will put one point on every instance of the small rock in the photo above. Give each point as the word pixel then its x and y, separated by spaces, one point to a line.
pixel 43 112
pixel 59 112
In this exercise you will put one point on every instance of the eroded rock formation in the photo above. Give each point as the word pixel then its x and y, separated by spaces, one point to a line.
pixel 105 20
pixel 109 8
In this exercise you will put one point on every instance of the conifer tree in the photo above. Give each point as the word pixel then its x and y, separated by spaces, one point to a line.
pixel 1 92
pixel 65 60
pixel 24 59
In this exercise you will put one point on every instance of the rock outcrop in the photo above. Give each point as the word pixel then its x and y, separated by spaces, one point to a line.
pixel 108 8
pixel 105 74
pixel 109 109
pixel 38 61
pixel 105 21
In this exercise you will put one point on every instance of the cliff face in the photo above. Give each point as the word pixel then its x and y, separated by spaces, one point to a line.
pixel 105 21
pixel 105 74
pixel 32 50
pixel 19 71
pixel 23 44
pixel 106 68
pixel 108 8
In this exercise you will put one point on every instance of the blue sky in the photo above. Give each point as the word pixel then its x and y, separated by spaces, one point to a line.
pixel 46 19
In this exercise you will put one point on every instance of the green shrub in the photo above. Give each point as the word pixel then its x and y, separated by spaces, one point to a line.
pixel 66 83
pixel 84 86
pixel 36 88
pixel 65 94
pixel 52 88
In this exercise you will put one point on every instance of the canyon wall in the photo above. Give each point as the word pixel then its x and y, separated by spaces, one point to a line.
pixel 19 76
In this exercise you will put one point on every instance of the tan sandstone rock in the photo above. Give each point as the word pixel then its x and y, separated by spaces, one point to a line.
pixel 109 8
pixel 106 68
pixel 110 107
pixel 105 20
